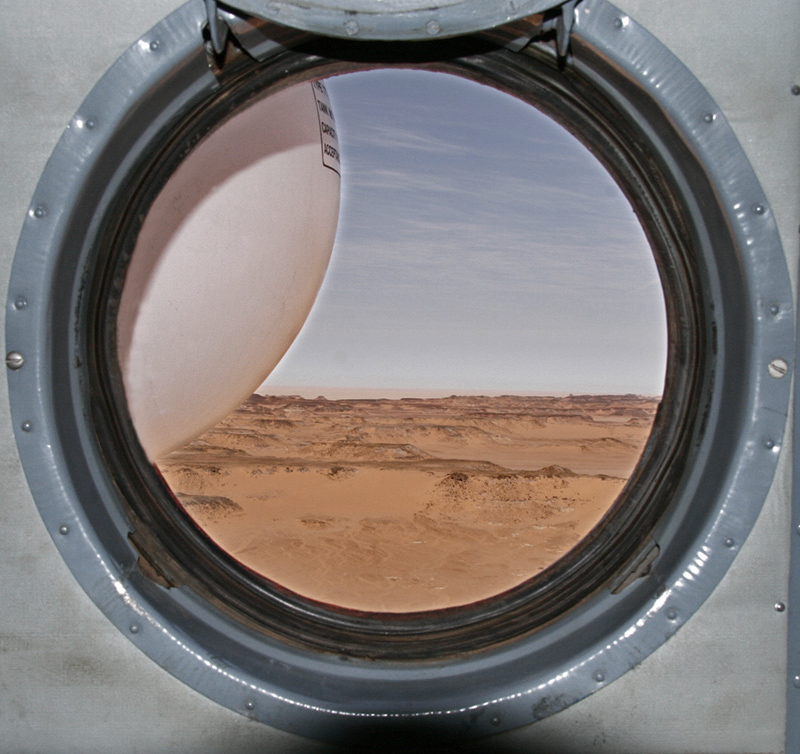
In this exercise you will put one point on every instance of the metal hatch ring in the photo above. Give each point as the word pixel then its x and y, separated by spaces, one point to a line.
pixel 289 663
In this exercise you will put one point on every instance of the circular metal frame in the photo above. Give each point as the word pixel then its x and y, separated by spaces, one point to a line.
pixel 719 478
pixel 173 546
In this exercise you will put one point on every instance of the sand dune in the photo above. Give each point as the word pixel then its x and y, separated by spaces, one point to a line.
pixel 409 504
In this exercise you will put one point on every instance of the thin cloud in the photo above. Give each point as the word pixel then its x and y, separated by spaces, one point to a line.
pixel 397 138
pixel 479 245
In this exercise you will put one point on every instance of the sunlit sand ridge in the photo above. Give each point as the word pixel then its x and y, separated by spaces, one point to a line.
pixel 410 504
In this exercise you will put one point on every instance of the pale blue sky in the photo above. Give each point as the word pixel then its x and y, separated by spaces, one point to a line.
pixel 481 247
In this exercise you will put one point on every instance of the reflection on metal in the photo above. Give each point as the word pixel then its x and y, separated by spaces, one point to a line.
pixel 693 558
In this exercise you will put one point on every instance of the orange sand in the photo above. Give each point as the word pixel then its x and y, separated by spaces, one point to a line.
pixel 412 504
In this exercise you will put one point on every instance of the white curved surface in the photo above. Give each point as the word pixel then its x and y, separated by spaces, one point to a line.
pixel 226 267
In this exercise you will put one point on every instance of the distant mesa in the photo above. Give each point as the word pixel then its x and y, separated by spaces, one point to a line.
pixel 555 471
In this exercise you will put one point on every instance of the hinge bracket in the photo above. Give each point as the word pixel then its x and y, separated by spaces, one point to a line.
pixel 638 567
pixel 217 28
pixel 519 34
pixel 564 24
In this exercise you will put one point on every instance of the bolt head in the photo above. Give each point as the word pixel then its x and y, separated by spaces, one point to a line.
pixel 14 360
pixel 778 368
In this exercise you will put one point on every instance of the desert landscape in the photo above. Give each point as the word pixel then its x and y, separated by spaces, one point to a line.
pixel 408 504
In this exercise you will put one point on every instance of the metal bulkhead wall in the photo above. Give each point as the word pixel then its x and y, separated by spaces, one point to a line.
pixel 94 565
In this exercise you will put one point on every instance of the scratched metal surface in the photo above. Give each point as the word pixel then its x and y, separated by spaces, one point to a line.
pixel 70 682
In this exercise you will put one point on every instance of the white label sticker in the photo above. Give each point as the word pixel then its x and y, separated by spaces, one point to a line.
pixel 327 128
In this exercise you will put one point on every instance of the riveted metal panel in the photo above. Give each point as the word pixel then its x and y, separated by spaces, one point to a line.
pixel 76 685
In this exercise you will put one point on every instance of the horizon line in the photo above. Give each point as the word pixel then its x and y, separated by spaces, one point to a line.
pixel 334 392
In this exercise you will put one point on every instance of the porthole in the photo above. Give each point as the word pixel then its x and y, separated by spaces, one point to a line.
pixel 181 556
pixel 533 649
pixel 448 273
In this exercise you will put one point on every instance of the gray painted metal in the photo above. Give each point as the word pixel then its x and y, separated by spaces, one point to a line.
pixel 526 680
pixel 392 19
pixel 719 632
pixel 793 643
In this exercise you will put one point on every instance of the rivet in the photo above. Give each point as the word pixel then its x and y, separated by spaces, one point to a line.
pixel 40 211
pixel 672 614
pixel 730 542
pixel 495 720
pixel 796 90
pixel 709 117
pixel 26 426
pixel 599 676
pixel 774 309
pixel 351 27
pixel 778 368
pixel 14 360
pixel 779 607
pixel 154 45
pixel 797 529
pixel 769 444
pixel 759 209
pixel 134 628
pixel 250 706
pixel 90 124
pixel 63 529
pixel 796 681
pixel 20 302
pixel 433 28
pixel 618 23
